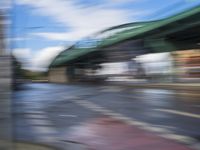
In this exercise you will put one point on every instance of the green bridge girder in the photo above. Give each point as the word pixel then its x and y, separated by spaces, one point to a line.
pixel 154 34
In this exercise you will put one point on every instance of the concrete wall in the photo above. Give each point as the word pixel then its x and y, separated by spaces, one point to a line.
pixel 58 75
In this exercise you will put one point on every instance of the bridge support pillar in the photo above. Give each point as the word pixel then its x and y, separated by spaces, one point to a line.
pixel 58 75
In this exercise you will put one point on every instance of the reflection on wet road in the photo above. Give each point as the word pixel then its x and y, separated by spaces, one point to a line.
pixel 46 112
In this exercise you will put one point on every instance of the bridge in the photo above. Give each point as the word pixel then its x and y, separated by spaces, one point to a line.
pixel 125 42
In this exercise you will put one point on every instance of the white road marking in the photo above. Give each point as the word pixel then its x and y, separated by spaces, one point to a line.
pixel 185 139
pixel 40 122
pixel 163 132
pixel 42 127
pixel 34 112
pixel 45 130
pixel 36 116
pixel 130 97
pixel 65 115
pixel 111 89
pixel 166 127
pixel 179 113
pixel 128 120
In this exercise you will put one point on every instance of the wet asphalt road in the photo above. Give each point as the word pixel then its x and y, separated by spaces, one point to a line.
pixel 47 112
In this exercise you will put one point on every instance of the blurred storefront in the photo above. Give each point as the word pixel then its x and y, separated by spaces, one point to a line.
pixel 188 64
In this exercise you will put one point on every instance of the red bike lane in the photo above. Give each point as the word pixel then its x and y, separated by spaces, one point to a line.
pixel 106 133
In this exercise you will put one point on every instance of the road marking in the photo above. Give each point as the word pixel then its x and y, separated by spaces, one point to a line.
pixel 181 138
pixel 128 120
pixel 111 89
pixel 179 113
pixel 36 116
pixel 45 130
pixel 40 122
pixel 34 112
pixel 42 127
pixel 65 115
pixel 163 132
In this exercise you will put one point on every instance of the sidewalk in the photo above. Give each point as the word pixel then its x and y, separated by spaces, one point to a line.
pixel 16 145
pixel 172 86
pixel 110 134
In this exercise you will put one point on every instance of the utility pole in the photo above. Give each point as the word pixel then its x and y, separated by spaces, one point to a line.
pixel 2 33
pixel 5 84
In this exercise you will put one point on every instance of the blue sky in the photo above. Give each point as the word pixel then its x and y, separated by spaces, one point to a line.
pixel 41 29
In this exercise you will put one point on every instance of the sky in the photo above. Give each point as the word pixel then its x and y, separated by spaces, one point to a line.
pixel 41 29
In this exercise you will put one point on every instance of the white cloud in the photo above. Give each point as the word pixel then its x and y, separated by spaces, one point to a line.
pixel 16 39
pixel 36 61
pixel 71 36
pixel 22 53
pixel 42 59
pixel 74 15
pixel 81 20
pixel 121 1
pixel 5 4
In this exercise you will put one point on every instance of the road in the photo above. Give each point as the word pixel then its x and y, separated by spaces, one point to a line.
pixel 44 112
